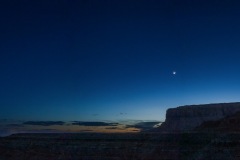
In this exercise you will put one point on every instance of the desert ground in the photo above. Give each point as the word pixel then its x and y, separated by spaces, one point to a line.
pixel 139 146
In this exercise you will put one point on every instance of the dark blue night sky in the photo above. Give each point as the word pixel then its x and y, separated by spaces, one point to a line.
pixel 114 59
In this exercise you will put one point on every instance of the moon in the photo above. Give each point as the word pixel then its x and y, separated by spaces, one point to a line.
pixel 174 72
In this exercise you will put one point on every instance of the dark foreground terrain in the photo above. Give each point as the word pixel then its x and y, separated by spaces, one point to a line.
pixel 142 146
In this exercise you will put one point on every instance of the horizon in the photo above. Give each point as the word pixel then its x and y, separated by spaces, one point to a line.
pixel 9 126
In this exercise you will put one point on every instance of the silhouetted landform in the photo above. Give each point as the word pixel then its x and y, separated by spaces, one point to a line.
pixel 44 123
pixel 228 124
pixel 80 123
pixel 209 132
pixel 215 138
pixel 187 118
pixel 139 146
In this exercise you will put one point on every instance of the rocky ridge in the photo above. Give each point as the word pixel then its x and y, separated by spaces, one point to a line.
pixel 187 118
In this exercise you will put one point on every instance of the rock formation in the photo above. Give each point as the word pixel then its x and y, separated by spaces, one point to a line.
pixel 227 124
pixel 186 118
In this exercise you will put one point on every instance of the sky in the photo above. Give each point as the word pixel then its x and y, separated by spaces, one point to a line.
pixel 113 60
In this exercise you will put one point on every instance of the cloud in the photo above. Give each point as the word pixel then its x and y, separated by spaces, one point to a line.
pixel 80 123
pixel 143 125
pixel 112 128
pixel 44 123
pixel 87 130
pixel 14 125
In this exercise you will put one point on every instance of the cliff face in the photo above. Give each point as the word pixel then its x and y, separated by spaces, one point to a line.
pixel 227 124
pixel 185 118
